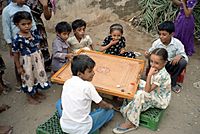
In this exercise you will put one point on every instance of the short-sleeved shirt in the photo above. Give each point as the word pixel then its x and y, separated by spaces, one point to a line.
pixel 163 80
pixel 77 96
pixel 26 46
pixel 114 49
pixel 174 48
pixel 86 41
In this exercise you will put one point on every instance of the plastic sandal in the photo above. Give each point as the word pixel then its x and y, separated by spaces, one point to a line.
pixel 119 130
pixel 177 88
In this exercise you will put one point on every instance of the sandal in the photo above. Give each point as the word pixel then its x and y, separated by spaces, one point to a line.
pixel 119 130
pixel 177 88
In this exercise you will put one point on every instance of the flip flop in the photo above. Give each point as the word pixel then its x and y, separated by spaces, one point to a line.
pixel 119 130
pixel 177 88
pixel 117 109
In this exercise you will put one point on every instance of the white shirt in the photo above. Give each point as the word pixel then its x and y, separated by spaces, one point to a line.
pixel 86 41
pixel 77 96
pixel 175 47
pixel 9 28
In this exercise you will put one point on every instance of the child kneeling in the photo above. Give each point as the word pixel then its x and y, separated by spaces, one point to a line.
pixel 77 96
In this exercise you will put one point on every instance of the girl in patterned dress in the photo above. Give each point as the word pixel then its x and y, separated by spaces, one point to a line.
pixel 155 92
pixel 28 58
pixel 115 43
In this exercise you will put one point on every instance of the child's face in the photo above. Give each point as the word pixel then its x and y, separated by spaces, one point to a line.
pixel 25 25
pixel 157 62
pixel 165 37
pixel 87 75
pixel 20 2
pixel 64 35
pixel 80 32
pixel 116 34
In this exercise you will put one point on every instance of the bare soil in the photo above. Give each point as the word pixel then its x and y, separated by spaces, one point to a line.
pixel 181 117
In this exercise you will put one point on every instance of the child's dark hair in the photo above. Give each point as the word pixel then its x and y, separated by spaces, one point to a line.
pixel 78 23
pixel 116 27
pixel 167 26
pixel 161 52
pixel 63 26
pixel 80 63
pixel 18 16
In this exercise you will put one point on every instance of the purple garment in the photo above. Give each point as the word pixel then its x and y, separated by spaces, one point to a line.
pixel 184 28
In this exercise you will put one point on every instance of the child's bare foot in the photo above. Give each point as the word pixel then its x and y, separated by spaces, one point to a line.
pixel 4 107
pixel 40 96
pixel 4 89
pixel 33 100
pixel 127 125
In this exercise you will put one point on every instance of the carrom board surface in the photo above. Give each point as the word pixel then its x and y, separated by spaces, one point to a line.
pixel 114 75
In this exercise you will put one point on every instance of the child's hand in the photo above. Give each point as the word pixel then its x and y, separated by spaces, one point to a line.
pixel 152 71
pixel 122 51
pixel 175 60
pixel 70 56
pixel 20 70
pixel 114 42
pixel 146 54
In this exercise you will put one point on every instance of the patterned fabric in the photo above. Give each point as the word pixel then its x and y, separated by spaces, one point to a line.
pixel 32 62
pixel 26 46
pixel 37 10
pixel 35 76
pixel 115 49
pixel 159 97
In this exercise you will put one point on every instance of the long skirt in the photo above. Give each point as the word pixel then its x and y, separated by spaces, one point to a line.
pixel 35 76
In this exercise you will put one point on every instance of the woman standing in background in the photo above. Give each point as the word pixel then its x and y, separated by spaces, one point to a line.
pixel 184 24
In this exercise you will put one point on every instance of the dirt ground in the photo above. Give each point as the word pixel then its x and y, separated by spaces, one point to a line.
pixel 181 117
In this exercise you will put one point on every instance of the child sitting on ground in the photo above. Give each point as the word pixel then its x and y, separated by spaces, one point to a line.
pixel 155 92
pixel 28 58
pixel 177 58
pixel 77 96
pixel 60 47
pixel 80 39
pixel 115 43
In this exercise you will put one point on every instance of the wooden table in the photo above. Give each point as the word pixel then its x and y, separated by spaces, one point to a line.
pixel 114 75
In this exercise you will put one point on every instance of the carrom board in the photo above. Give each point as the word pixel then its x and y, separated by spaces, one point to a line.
pixel 114 75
